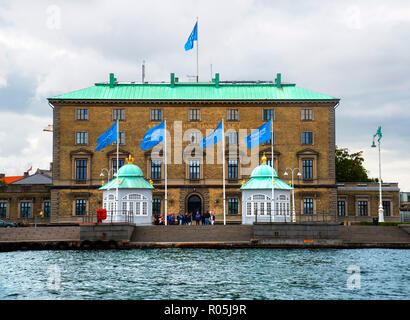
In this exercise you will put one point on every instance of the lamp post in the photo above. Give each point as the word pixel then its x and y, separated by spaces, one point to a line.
pixel 381 211
pixel 108 174
pixel 293 191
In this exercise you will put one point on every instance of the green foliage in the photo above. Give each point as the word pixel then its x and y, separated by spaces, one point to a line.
pixel 2 182
pixel 349 166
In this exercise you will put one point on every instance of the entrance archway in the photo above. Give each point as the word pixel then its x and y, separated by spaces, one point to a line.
pixel 194 204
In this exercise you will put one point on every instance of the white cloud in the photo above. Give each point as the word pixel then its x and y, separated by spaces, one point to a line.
pixel 355 51
pixel 22 141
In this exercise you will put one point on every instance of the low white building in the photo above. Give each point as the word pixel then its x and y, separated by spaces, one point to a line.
pixel 257 197
pixel 134 196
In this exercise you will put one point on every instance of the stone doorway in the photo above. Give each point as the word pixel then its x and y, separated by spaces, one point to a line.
pixel 194 204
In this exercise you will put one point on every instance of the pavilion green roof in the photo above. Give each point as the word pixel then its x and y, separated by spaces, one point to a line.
pixel 174 90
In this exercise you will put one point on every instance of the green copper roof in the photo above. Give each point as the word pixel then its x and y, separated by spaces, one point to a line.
pixel 263 171
pixel 130 170
pixel 193 91
pixel 130 176
pixel 261 178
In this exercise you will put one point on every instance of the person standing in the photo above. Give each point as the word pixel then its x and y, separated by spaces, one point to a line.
pixel 188 218
pixel 197 217
pixel 212 218
pixel 206 218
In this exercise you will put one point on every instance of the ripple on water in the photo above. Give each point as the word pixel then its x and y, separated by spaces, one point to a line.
pixel 206 274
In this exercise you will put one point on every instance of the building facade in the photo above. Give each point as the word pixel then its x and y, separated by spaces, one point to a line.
pixel 360 200
pixel 27 198
pixel 304 137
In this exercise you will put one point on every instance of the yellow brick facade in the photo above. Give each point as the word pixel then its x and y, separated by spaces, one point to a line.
pixel 288 150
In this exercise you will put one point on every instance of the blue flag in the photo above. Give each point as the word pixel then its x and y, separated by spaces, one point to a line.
pixel 107 137
pixel 260 135
pixel 192 37
pixel 153 136
pixel 213 138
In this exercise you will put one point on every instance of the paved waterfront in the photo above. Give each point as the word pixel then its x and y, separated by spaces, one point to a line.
pixel 205 274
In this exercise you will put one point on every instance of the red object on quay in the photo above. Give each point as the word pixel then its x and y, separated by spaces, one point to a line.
pixel 101 215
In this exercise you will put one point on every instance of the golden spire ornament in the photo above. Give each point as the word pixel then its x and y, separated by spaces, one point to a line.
pixel 264 159
pixel 130 159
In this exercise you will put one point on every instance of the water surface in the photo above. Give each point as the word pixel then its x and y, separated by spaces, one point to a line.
pixel 205 274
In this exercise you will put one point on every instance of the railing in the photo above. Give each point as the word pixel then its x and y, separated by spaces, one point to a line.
pixel 114 216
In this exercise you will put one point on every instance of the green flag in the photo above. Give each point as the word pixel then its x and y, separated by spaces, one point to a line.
pixel 378 133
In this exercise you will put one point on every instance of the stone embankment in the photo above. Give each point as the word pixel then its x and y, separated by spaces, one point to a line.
pixel 278 235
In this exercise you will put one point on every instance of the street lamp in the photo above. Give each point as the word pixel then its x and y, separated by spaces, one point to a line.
pixel 381 211
pixel 108 174
pixel 293 191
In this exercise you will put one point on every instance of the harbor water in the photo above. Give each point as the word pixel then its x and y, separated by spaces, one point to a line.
pixel 206 274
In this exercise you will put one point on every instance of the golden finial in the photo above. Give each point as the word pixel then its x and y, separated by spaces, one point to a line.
pixel 264 159
pixel 243 182
pixel 151 182
pixel 102 182
pixel 290 183
pixel 130 159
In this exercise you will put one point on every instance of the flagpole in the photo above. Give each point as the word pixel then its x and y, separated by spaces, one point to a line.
pixel 166 169
pixel 273 181
pixel 223 167
pixel 118 181
pixel 197 49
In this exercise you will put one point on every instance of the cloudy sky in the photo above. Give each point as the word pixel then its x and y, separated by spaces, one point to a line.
pixel 358 51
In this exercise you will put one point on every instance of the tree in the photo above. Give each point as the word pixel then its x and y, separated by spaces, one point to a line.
pixel 349 166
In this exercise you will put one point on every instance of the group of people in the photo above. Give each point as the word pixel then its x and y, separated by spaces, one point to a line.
pixel 208 218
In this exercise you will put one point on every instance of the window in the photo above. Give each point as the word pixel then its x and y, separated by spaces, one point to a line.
pixel 156 206
pixel 114 165
pixel 233 205
pixel 47 209
pixel 194 173
pixel 156 169
pixel 25 209
pixel 81 169
pixel 269 141
pixel 81 138
pixel 363 208
pixel 232 115
pixel 194 115
pixel 233 169
pixel 121 138
pixel 118 114
pixel 386 208
pixel 341 208
pixel 3 209
pixel 80 207
pixel 306 115
pixel 307 168
pixel 268 114
pixel 81 114
pixel 269 162
pixel 307 137
pixel 156 114
pixel 308 206
pixel 194 137
pixel 232 137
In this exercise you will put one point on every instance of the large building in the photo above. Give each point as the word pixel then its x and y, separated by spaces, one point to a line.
pixel 304 137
